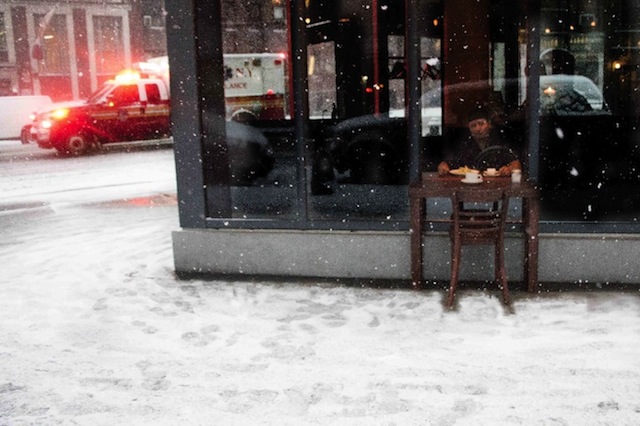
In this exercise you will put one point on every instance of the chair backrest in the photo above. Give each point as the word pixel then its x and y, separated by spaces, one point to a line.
pixel 495 156
pixel 479 213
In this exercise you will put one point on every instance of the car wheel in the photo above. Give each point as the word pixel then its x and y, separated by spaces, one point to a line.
pixel 77 145
pixel 244 116
pixel 24 135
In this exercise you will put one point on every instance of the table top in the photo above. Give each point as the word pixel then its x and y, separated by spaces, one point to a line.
pixel 434 185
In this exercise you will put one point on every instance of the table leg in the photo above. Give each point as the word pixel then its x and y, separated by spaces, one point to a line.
pixel 417 213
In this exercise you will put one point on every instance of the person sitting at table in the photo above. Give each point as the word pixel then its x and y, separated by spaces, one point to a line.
pixel 483 148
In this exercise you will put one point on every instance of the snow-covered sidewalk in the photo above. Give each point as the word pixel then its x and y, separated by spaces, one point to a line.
pixel 95 329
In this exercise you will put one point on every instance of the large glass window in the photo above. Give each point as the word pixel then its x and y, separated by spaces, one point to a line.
pixel 4 47
pixel 349 160
pixel 579 137
pixel 108 44
pixel 358 152
pixel 55 45
pixel 258 155
pixel 589 151
pixel 359 155
pixel 355 143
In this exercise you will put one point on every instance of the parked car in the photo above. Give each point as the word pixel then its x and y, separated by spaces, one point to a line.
pixel 16 115
pixel 570 94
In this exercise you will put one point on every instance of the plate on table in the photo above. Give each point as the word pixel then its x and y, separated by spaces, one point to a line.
pixel 471 181
pixel 461 171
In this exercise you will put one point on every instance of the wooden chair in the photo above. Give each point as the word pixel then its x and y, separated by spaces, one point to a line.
pixel 479 216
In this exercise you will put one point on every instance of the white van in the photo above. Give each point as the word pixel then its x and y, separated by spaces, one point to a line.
pixel 15 112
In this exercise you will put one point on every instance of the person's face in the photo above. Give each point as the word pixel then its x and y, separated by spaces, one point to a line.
pixel 480 127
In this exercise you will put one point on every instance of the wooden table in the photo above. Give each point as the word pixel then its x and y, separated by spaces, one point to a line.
pixel 434 186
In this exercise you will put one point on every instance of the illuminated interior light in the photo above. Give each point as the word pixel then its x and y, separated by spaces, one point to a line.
pixel 311 66
pixel 436 22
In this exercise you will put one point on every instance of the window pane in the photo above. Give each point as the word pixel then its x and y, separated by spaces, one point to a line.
pixel 584 149
pixel 126 95
pixel 355 147
pixel 258 153
pixel 589 155
pixel 359 151
pixel 109 44
pixel 4 53
pixel 322 80
pixel 55 46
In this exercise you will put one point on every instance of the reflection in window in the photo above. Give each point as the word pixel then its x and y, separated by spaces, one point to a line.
pixel 109 44
pixel 153 93
pixel 589 156
pixel 322 80
pixel 255 165
pixel 4 52
pixel 55 46
pixel 126 95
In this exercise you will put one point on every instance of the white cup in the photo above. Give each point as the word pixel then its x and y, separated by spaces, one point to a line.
pixel 473 177
pixel 516 176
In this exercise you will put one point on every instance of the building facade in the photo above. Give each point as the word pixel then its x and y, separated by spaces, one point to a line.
pixel 378 91
pixel 66 49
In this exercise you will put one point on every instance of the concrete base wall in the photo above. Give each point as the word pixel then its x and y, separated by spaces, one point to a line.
pixel 573 258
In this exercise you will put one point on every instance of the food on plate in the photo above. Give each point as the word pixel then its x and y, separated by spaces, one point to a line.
pixel 490 172
pixel 461 171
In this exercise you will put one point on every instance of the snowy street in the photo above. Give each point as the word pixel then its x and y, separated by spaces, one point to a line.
pixel 95 329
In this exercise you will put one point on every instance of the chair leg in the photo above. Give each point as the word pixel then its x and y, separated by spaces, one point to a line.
pixel 502 274
pixel 496 261
pixel 456 251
